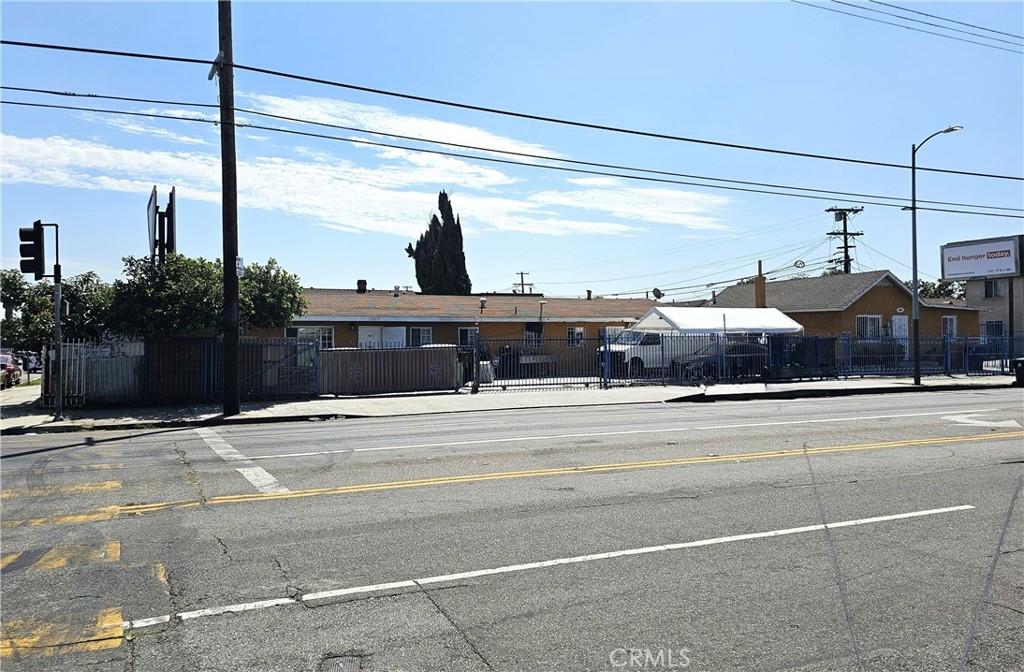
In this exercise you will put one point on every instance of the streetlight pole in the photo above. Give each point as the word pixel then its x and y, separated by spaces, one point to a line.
pixel 916 308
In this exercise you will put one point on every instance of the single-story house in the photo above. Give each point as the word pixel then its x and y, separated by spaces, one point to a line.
pixel 378 318
pixel 869 305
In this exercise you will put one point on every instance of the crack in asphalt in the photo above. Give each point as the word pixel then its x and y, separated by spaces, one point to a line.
pixel 191 475
pixel 224 548
pixel 986 591
pixel 458 628
pixel 833 552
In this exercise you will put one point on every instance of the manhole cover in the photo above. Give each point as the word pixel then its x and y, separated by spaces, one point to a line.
pixel 343 663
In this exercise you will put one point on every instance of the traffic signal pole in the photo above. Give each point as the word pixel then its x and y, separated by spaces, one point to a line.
pixel 58 343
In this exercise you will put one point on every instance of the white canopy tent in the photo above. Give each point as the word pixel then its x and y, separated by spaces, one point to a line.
pixel 718 320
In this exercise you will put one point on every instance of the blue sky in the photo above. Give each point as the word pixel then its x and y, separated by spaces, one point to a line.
pixel 775 74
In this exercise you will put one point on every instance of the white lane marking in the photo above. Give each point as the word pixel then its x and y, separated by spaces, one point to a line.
pixel 971 420
pixel 258 476
pixel 583 435
pixel 507 569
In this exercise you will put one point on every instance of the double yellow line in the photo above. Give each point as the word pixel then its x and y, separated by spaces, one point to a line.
pixel 110 512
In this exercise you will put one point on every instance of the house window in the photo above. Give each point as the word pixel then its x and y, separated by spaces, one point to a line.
pixel 324 335
pixel 574 336
pixel 533 335
pixel 993 290
pixel 420 336
pixel 468 336
pixel 869 326
pixel 992 328
pixel 949 326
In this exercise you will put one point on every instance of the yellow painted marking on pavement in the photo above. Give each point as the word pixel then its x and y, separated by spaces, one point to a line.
pixel 111 512
pixel 67 489
pixel 105 513
pixel 8 558
pixel 57 557
pixel 159 571
pixel 32 637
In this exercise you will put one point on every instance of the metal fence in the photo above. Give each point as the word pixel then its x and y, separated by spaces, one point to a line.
pixel 180 370
pixel 352 371
pixel 187 370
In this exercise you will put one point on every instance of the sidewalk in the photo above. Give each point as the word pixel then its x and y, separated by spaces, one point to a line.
pixel 20 415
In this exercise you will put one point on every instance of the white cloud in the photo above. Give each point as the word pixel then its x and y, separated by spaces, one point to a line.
pixel 692 210
pixel 394 197
pixel 129 125
pixel 385 120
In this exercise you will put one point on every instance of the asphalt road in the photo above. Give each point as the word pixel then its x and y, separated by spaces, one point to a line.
pixel 655 537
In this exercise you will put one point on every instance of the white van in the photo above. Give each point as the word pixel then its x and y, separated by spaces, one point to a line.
pixel 633 352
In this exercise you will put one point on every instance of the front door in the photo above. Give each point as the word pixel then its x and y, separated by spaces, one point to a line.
pixel 899 327
pixel 370 337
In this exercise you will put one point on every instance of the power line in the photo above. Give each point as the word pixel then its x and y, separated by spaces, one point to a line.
pixel 941 18
pixel 906 27
pixel 926 23
pixel 903 264
pixel 545 157
pixel 510 113
pixel 489 159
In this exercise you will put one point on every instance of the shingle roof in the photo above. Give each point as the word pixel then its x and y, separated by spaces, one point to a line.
pixel 347 305
pixel 827 292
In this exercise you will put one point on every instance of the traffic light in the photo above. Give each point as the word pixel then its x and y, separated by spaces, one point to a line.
pixel 33 257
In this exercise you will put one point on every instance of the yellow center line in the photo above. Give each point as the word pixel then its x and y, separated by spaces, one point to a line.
pixel 111 512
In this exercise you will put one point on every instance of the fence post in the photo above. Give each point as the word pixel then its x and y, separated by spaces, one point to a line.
pixel 475 388
pixel 606 357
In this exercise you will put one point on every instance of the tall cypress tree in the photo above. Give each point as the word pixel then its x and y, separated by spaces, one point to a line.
pixel 438 255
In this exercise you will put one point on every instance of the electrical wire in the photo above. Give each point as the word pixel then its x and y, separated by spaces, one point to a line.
pixel 927 23
pixel 942 18
pixel 906 27
pixel 784 248
pixel 487 158
pixel 504 112
pixel 544 157
pixel 893 259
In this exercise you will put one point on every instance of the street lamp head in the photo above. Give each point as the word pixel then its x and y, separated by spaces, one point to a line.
pixel 953 129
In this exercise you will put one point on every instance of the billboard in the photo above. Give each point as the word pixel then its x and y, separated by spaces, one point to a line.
pixel 151 222
pixel 979 259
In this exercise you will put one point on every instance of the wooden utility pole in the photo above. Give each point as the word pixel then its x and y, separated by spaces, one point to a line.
pixel 843 215
pixel 523 284
pixel 229 209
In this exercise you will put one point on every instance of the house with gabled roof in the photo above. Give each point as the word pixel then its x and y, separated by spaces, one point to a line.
pixel 870 305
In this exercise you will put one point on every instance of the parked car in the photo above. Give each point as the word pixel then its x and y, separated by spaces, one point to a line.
pixel 740 360
pixel 10 371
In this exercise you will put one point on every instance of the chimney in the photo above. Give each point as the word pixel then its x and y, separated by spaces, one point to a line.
pixel 361 286
pixel 760 289
pixel 590 295
pixel 714 297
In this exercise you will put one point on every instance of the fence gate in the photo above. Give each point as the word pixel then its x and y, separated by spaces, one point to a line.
pixel 274 368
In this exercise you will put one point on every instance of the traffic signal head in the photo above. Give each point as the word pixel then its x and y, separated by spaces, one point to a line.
pixel 33 257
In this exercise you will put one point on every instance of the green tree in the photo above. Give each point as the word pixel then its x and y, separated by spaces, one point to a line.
pixel 182 295
pixel 269 296
pixel 943 289
pixel 13 290
pixel 439 256
pixel 87 297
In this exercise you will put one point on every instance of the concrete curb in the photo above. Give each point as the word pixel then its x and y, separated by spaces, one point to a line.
pixel 704 398
pixel 845 392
